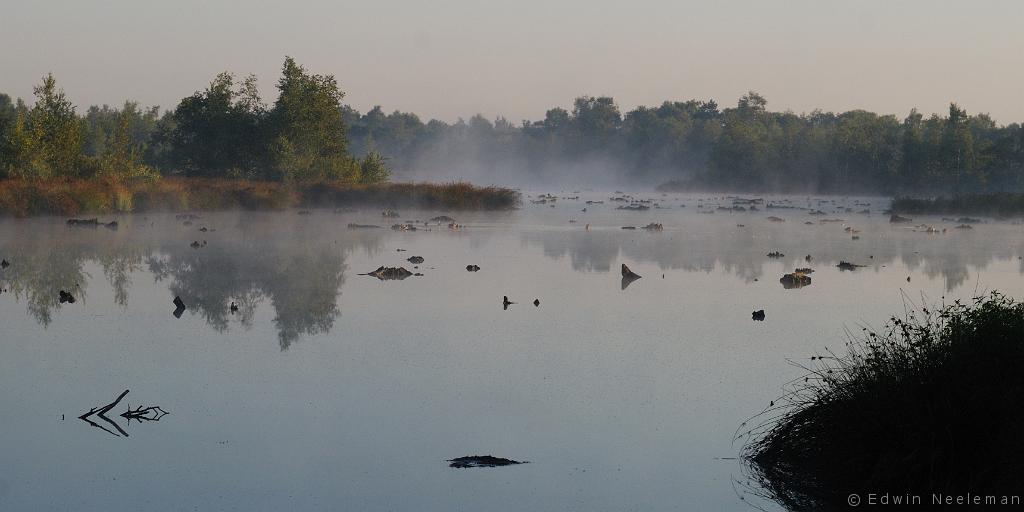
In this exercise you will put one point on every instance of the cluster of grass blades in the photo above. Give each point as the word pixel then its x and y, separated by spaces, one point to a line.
pixel 932 403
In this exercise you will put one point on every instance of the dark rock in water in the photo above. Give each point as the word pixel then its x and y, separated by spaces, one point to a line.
pixel 112 225
pixel 628 276
pixel 626 272
pixel 389 273
pixel 845 265
pixel 179 307
pixel 389 213
pixel 203 229
pixel 4 264
pixel 482 461
pixel 89 223
pixel 415 259
pixel 898 219
pixel 442 218
pixel 353 225
pixel 776 254
pixel 758 315
pixel 66 297
pixel 795 280
pixel 536 302
pixel 473 268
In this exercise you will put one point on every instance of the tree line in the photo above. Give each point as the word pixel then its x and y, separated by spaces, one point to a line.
pixel 698 145
pixel 226 130
pixel 223 131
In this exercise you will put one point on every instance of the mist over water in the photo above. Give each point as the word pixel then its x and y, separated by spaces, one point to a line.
pixel 327 386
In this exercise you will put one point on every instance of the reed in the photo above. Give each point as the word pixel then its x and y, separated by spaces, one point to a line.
pixel 23 198
pixel 930 404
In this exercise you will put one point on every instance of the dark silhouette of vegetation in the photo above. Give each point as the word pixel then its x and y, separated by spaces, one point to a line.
pixel 1004 204
pixel 928 405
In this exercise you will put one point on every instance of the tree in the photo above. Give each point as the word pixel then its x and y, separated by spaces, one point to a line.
pixel 309 134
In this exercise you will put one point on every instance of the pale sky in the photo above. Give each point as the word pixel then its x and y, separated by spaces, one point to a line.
pixel 452 58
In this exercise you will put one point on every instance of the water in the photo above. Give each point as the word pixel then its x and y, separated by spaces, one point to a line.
pixel 328 390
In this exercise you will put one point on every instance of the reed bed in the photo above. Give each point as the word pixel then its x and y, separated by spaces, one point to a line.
pixel 929 404
pixel 22 198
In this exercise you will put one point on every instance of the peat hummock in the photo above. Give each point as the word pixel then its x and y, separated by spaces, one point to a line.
pixel 482 461
pixel 930 404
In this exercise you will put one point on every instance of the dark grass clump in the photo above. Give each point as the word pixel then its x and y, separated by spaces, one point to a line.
pixel 1006 204
pixel 932 404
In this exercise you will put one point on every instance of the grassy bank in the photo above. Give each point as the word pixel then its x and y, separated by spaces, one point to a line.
pixel 996 205
pixel 23 198
pixel 929 405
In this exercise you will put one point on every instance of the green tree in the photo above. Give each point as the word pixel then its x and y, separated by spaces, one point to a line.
pixel 309 133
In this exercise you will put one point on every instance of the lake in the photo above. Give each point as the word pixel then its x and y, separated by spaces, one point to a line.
pixel 330 390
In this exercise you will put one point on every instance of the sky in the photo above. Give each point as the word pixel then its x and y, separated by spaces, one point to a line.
pixel 447 59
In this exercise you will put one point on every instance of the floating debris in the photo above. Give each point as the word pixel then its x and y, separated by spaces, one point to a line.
pixel 775 219
pixel 795 280
pixel 4 264
pixel 472 268
pixel 776 254
pixel 536 302
pixel 845 265
pixel 965 226
pixel 179 306
pixel 758 315
pixel 66 297
pixel 634 207
pixel 416 260
pixel 628 227
pixel 482 461
pixel 654 226
pixel 353 225
pixel 389 273
pixel 403 227
pixel 505 303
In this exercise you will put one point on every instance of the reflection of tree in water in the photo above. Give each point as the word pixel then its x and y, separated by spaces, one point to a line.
pixel 287 260
pixel 52 257
pixel 301 281
pixel 705 242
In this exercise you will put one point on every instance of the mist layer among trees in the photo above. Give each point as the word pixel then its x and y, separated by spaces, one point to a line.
pixel 308 133
pixel 698 145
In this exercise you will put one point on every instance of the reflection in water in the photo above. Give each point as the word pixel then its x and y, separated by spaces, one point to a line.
pixel 242 264
pixel 139 414
pixel 706 243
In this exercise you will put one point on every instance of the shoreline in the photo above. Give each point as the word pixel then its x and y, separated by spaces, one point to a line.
pixel 29 198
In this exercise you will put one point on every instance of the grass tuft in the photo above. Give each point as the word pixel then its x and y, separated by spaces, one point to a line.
pixel 931 404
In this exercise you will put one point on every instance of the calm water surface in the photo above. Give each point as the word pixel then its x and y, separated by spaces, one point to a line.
pixel 328 390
